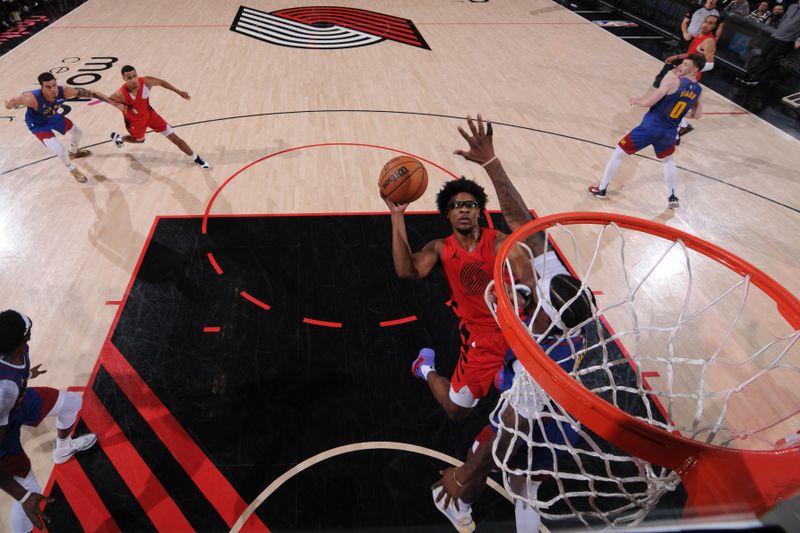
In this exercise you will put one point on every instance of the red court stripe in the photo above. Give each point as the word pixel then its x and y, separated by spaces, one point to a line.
pixel 651 374
pixel 214 263
pixel 75 388
pixel 113 302
pixel 82 498
pixel 214 486
pixel 324 323
pixel 247 296
pixel 211 329
pixel 397 322
pixel 160 508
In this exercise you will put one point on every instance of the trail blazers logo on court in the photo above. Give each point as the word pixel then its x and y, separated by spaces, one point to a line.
pixel 325 27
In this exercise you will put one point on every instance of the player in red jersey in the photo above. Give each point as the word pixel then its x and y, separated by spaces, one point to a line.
pixel 467 257
pixel 135 94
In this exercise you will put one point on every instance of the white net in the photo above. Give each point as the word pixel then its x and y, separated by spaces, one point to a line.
pixel 712 360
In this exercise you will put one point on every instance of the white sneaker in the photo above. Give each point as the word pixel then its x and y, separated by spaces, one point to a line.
pixel 461 520
pixel 117 138
pixel 75 445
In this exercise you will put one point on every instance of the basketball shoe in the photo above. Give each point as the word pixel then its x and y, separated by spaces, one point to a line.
pixel 78 175
pixel 72 446
pixel 201 163
pixel 117 138
pixel 426 357
pixel 597 192
pixel 77 154
pixel 673 202
pixel 462 519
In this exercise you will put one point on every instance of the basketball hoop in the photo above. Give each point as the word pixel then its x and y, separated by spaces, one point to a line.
pixel 690 420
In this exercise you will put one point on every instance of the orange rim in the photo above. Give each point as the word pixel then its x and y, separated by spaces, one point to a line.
pixel 715 477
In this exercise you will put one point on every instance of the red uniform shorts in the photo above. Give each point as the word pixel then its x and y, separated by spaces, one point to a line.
pixel 482 352
pixel 137 125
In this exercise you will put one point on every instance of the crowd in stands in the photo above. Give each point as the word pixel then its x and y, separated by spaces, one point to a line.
pixel 768 13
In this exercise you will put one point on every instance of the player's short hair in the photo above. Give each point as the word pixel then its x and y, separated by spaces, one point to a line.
pixel 13 330
pixel 45 77
pixel 699 60
pixel 563 288
pixel 453 187
pixel 127 68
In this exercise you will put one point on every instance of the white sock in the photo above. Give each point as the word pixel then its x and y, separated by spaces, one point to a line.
pixel 75 135
pixel 612 167
pixel 57 148
pixel 528 519
pixel 425 370
pixel 684 124
pixel 194 156
pixel 670 174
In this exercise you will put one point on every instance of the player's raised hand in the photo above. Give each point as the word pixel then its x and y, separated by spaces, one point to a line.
pixel 481 146
pixel 184 95
pixel 36 371
pixel 394 207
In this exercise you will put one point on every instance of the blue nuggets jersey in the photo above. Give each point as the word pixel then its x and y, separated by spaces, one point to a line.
pixel 668 112
pixel 46 116
pixel 18 375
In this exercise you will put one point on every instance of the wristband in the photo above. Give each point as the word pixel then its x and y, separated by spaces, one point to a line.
pixel 489 161
pixel 28 495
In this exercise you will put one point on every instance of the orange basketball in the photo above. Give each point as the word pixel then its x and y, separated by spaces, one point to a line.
pixel 403 179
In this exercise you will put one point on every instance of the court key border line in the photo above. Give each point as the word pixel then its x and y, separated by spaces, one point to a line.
pixel 435 115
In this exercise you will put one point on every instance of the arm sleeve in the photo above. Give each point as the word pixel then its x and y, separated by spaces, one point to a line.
pixel 8 397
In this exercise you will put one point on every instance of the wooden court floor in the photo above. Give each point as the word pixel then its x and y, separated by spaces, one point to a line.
pixel 555 84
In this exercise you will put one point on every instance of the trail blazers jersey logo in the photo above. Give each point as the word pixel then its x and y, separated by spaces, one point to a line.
pixel 326 27
pixel 474 279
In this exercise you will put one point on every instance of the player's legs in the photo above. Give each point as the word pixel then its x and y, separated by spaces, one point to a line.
pixel 671 179
pixel 20 523
pixel 54 145
pixel 65 409
pixel 159 125
pixel 526 516
pixel 424 367
pixel 630 144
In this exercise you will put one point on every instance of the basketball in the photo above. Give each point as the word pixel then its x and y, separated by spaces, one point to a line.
pixel 403 179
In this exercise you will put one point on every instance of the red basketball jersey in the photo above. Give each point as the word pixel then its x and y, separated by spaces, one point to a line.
pixel 695 45
pixel 138 105
pixel 468 274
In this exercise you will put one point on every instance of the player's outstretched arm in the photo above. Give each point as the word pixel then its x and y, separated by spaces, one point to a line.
pixel 157 82
pixel 81 92
pixel 26 99
pixel 668 86
pixel 481 151
pixel 406 264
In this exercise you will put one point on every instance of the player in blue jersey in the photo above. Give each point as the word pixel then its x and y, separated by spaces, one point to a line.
pixel 43 118
pixel 21 405
pixel 677 97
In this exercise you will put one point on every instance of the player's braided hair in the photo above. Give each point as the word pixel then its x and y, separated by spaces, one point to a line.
pixel 562 289
pixel 12 330
pixel 453 187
